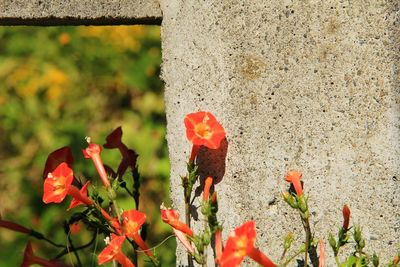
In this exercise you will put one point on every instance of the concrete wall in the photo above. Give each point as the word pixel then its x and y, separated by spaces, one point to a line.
pixel 305 85
pixel 78 12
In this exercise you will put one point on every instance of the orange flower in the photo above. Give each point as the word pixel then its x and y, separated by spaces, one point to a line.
pixel 240 244
pixel 207 185
pixel 75 228
pixel 171 217
pixel 93 152
pixel 321 253
pixel 76 202
pixel 294 178
pixel 180 229
pixel 132 222
pixel 58 185
pixel 113 252
pixel 346 217
pixel 203 129
pixel 14 227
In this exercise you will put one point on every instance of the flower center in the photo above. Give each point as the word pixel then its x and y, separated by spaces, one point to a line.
pixel 241 245
pixel 203 130
pixel 59 185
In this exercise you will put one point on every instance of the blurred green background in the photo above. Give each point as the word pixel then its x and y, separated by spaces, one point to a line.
pixel 58 85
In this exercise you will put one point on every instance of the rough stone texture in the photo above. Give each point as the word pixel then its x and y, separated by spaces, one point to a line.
pixel 305 85
pixel 78 12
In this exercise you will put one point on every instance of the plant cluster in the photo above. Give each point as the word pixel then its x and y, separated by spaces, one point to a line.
pixel 103 216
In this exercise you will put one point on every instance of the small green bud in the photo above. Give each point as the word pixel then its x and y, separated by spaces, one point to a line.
pixel 375 260
pixel 357 234
pixel 302 204
pixel 362 243
pixel 332 242
pixel 287 243
pixel 111 194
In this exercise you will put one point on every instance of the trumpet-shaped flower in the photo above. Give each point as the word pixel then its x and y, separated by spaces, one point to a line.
pixel 113 252
pixel 132 222
pixel 93 152
pixel 58 185
pixel 240 243
pixel 294 178
pixel 76 202
pixel 203 129
pixel 171 217
pixel 180 229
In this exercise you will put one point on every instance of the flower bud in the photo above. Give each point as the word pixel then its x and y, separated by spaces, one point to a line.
pixel 332 241
pixel 287 242
pixel 375 260
pixel 302 204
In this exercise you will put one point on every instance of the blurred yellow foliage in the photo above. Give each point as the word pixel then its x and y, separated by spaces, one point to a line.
pixel 28 80
pixel 122 37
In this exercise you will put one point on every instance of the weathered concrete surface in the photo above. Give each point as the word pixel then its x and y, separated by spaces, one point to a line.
pixel 305 85
pixel 79 12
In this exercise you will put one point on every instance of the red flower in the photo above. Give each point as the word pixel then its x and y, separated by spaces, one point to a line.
pixel 30 259
pixel 241 243
pixel 180 229
pixel 171 217
pixel 113 252
pixel 14 227
pixel 203 129
pixel 75 228
pixel 132 221
pixel 76 202
pixel 346 217
pixel 207 185
pixel 93 152
pixel 294 178
pixel 321 253
pixel 58 185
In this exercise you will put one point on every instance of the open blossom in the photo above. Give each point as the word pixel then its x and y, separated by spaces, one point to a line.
pixel 93 152
pixel 113 252
pixel 132 221
pixel 203 129
pixel 58 185
pixel 240 243
pixel 294 178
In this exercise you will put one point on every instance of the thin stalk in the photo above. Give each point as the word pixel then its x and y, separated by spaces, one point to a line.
pixel 66 250
pixel 337 260
pixel 307 229
pixel 187 220
pixel 71 245
pixel 292 257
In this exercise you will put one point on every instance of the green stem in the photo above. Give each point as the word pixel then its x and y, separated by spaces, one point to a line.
pixel 337 260
pixel 66 251
pixel 307 229
pixel 292 257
